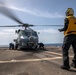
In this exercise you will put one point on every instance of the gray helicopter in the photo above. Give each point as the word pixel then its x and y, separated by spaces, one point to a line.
pixel 27 38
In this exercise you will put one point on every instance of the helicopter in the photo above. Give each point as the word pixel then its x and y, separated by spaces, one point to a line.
pixel 27 37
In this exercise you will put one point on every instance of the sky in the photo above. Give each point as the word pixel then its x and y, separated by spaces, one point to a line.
pixel 37 12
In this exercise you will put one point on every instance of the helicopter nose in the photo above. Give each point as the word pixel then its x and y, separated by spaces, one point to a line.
pixel 31 39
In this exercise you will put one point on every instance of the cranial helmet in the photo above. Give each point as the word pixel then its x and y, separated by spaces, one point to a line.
pixel 69 11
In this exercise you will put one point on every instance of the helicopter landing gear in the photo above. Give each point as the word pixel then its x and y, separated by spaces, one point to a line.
pixel 19 47
pixel 36 47
pixel 16 46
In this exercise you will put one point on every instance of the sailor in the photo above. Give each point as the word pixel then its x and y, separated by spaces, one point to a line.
pixel 11 46
pixel 41 45
pixel 69 38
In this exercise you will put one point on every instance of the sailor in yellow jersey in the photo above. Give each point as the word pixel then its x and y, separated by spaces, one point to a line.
pixel 69 38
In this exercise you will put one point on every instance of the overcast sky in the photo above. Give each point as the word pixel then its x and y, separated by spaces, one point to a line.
pixel 37 12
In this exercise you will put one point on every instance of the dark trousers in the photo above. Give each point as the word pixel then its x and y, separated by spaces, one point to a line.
pixel 68 41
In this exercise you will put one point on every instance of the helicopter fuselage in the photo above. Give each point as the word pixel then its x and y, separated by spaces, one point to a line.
pixel 27 38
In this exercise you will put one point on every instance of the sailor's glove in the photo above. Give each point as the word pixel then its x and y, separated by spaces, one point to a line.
pixel 59 30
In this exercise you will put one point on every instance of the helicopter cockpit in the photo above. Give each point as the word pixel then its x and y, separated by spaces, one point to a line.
pixel 24 33
pixel 27 33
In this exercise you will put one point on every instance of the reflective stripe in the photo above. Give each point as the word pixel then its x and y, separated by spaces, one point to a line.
pixel 71 32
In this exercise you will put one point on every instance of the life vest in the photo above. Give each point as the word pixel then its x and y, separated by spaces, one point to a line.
pixel 71 27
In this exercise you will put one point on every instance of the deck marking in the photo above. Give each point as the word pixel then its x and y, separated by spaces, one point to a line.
pixel 58 54
pixel 30 60
pixel 40 59
pixel 54 53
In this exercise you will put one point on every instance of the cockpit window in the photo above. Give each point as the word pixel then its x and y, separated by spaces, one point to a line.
pixel 34 33
pixel 24 33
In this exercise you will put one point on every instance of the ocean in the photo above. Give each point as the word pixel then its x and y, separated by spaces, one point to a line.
pixel 53 44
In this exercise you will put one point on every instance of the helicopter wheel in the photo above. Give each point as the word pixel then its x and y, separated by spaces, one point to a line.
pixel 35 48
pixel 19 48
pixel 16 46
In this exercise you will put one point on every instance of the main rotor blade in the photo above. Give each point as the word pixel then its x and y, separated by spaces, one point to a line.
pixel 11 26
pixel 29 25
pixel 49 25
pixel 21 25
pixel 6 11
